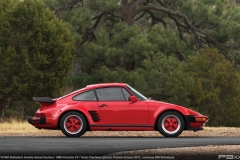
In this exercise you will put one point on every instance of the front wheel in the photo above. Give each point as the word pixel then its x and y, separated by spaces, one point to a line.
pixel 171 124
pixel 73 124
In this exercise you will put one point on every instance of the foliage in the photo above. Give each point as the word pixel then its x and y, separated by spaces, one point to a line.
pixel 216 89
pixel 125 50
pixel 36 51
pixel 198 23
pixel 166 80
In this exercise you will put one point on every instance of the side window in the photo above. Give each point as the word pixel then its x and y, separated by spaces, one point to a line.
pixel 113 93
pixel 89 95
pixel 126 94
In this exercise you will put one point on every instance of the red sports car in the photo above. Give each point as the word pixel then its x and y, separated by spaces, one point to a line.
pixel 113 107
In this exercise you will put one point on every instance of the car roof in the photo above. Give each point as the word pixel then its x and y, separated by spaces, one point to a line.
pixel 105 85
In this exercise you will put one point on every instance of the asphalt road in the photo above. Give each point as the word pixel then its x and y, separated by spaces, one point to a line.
pixel 97 146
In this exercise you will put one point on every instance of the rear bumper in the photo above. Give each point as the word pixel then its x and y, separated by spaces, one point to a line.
pixel 43 122
pixel 36 120
pixel 195 123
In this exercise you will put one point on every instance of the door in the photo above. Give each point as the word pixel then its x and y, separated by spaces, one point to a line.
pixel 115 107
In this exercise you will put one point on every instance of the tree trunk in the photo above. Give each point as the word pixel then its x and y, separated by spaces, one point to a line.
pixel 2 113
pixel 3 107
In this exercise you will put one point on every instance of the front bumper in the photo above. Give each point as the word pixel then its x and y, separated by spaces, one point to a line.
pixel 195 123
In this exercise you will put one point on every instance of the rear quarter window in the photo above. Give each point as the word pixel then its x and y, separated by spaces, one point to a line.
pixel 85 96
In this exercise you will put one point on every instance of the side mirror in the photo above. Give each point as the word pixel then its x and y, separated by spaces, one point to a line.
pixel 133 98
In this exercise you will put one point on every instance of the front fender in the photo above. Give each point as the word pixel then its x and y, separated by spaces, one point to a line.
pixel 157 108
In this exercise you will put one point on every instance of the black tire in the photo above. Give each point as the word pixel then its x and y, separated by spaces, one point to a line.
pixel 73 124
pixel 171 124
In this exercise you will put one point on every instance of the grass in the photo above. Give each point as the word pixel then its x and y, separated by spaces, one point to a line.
pixel 16 126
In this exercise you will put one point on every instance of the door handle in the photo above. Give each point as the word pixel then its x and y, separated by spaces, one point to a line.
pixel 103 105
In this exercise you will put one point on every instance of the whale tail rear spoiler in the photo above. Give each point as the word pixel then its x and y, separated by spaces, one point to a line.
pixel 44 101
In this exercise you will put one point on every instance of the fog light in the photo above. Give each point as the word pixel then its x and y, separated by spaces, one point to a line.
pixel 200 119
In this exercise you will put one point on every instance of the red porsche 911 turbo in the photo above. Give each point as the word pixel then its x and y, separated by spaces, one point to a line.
pixel 113 107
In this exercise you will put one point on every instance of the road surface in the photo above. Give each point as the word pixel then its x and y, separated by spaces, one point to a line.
pixel 99 146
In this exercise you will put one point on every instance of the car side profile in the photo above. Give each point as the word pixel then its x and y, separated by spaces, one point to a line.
pixel 113 107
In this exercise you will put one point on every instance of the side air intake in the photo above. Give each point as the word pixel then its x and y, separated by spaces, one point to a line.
pixel 95 116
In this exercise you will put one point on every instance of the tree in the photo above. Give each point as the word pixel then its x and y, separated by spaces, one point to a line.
pixel 36 52
pixel 216 89
pixel 210 22
pixel 124 52
pixel 166 79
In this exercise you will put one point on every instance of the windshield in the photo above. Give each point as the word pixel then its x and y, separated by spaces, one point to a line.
pixel 136 93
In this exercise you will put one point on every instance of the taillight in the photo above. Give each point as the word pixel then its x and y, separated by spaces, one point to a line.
pixel 40 115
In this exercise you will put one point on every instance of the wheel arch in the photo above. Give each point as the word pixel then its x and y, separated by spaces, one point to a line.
pixel 60 117
pixel 159 115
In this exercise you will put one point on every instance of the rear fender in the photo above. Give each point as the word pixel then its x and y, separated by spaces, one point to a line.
pixel 83 111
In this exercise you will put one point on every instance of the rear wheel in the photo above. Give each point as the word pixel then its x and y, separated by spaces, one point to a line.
pixel 171 124
pixel 73 124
